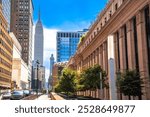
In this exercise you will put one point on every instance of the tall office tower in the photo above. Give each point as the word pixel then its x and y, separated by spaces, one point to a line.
pixel 6 11
pixel 51 63
pixel 38 42
pixel 67 44
pixel 51 68
pixel 21 25
pixel 38 56
pixel 6 54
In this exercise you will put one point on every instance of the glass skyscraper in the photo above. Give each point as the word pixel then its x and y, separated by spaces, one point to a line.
pixel 67 44
pixel 6 5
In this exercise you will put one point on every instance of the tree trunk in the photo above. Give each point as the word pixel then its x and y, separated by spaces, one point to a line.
pixel 95 92
pixel 129 97
pixel 140 97
pixel 90 93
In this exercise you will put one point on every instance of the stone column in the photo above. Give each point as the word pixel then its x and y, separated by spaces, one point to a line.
pixel 111 68
pixel 104 59
pixel 93 58
pixel 122 49
pixel 130 43
pixel 142 50
pixel 98 56
pixel 101 56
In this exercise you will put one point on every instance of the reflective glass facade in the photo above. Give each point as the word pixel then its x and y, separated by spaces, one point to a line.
pixel 67 44
pixel 6 11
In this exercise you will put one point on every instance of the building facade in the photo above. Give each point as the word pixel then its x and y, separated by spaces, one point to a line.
pixel 6 53
pixel 119 40
pixel 56 73
pixel 67 44
pixel 21 26
pixel 6 4
pixel 39 41
pixel 38 77
pixel 19 67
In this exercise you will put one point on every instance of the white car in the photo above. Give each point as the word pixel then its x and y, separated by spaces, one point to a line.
pixel 6 95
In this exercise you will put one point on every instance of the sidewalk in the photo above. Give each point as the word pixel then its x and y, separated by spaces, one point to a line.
pixel 43 97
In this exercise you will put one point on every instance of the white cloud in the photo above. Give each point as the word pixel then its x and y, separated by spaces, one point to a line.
pixel 49 47
pixel 49 43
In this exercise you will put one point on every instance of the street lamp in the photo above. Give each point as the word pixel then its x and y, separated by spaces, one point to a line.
pixel 100 85
pixel 37 62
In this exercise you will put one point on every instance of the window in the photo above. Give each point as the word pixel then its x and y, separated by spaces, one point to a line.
pixel 135 43
pixel 110 14
pixel 126 46
pixel 116 6
pixel 118 50
pixel 105 19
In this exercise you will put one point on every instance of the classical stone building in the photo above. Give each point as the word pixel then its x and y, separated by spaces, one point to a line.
pixel 6 53
pixel 119 40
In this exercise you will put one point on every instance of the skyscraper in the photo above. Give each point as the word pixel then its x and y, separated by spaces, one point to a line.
pixel 67 44
pixel 51 63
pixel 38 81
pixel 51 68
pixel 21 25
pixel 38 41
pixel 6 11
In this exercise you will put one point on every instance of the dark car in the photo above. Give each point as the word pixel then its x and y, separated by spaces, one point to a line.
pixel 17 95
pixel 27 92
pixel 6 95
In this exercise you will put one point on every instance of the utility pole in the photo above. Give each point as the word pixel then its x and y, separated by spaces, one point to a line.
pixel 101 93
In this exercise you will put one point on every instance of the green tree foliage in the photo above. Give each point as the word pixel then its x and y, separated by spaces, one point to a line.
pixel 90 78
pixel 67 82
pixel 129 83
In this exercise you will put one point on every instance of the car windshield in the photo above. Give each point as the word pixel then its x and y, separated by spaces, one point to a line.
pixel 8 93
pixel 26 91
pixel 17 92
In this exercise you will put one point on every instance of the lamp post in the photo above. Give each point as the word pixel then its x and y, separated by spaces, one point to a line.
pixel 100 84
pixel 37 62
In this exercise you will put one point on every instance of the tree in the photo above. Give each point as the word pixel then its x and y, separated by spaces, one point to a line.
pixel 90 78
pixel 67 82
pixel 130 84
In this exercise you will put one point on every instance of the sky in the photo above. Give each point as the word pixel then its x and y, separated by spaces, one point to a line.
pixel 63 15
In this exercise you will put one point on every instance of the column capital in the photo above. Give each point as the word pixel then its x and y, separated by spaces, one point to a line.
pixel 140 17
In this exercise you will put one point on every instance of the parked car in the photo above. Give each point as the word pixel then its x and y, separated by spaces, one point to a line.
pixel 17 95
pixel 6 95
pixel 27 92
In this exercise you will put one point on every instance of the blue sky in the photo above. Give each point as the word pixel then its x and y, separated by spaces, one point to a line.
pixel 64 15
pixel 56 13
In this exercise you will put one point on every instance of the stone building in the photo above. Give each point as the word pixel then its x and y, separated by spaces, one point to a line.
pixel 19 67
pixel 118 40
pixel 56 73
